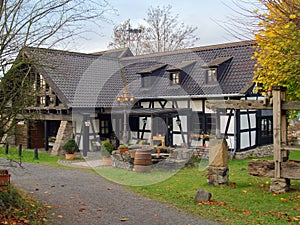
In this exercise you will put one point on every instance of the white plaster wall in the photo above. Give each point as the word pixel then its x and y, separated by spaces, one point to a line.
pixel 177 139
pixel 245 142
pixel 196 105
pixel 223 123
pixel 230 142
pixel 244 122
pixel 253 138
pixel 207 110
pixel 182 104
pixel 183 120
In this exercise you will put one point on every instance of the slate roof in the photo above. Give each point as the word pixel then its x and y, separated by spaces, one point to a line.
pixel 94 80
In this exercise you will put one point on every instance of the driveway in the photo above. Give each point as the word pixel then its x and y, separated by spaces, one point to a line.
pixel 81 197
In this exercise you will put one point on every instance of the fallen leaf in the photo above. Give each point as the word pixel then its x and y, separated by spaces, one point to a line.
pixel 52 186
pixel 37 189
pixel 99 216
pixel 81 203
pixel 99 209
pixel 62 185
pixel 109 189
pixel 60 216
pixel 81 209
pixel 124 219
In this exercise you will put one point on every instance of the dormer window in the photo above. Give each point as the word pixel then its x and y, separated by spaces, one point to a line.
pixel 175 78
pixel 147 81
pixel 211 75
pixel 149 75
pixel 215 68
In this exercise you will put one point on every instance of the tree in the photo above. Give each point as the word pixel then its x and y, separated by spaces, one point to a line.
pixel 36 23
pixel 278 44
pixel 162 32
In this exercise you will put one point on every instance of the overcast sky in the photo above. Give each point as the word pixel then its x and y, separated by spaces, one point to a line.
pixel 204 14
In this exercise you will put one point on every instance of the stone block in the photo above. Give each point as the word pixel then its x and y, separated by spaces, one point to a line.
pixel 218 153
pixel 217 175
pixel 202 196
pixel 280 185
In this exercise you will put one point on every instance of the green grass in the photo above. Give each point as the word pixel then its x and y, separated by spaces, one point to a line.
pixel 28 156
pixel 16 207
pixel 130 178
pixel 246 200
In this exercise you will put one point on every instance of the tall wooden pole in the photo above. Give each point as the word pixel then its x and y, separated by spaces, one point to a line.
pixel 277 128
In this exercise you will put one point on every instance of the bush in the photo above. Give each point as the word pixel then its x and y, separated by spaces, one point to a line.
pixel 70 147
pixel 106 148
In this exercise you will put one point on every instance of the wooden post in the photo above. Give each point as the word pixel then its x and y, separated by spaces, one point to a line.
pixel 277 128
pixel 284 153
pixel 36 153
pixel 6 149
pixel 218 131
pixel 20 150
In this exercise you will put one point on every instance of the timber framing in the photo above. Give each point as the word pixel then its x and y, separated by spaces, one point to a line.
pixel 249 104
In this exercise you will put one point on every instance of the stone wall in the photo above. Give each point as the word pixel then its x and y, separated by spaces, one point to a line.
pixel 259 152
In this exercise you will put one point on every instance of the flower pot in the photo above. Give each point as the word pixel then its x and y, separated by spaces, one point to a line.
pixel 70 156
pixel 123 149
pixel 4 178
pixel 107 161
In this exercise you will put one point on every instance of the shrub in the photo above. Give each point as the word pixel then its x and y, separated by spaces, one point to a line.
pixel 106 148
pixel 70 147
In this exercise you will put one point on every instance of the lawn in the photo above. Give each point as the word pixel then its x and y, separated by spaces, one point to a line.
pixel 28 156
pixel 246 200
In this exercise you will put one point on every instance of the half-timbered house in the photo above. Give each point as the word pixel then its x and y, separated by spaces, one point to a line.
pixel 160 97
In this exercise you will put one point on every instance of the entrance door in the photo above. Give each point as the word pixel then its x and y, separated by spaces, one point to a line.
pixel 36 134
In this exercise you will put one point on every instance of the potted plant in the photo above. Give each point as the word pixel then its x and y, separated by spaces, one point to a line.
pixel 70 148
pixel 106 150
pixel 123 148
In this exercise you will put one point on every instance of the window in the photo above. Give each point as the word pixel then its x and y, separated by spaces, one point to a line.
pixel 104 126
pixel 175 78
pixel 211 76
pixel 147 81
pixel 266 127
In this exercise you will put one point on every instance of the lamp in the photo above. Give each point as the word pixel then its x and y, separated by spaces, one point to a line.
pixel 125 100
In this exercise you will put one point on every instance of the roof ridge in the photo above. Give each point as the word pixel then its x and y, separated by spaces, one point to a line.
pixel 59 51
pixel 194 49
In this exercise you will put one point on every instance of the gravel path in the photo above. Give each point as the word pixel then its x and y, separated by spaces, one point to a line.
pixel 78 196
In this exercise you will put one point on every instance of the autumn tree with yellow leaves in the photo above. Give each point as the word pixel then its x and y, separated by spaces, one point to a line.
pixel 278 46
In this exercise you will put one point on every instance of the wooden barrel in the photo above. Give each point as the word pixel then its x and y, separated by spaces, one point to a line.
pixel 142 161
